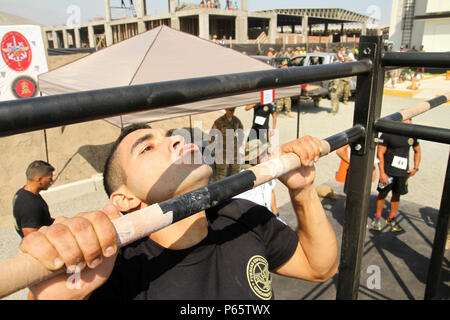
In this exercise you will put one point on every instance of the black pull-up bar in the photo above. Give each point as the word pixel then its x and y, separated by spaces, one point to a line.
pixel 31 114
pixel 416 59
pixel 391 124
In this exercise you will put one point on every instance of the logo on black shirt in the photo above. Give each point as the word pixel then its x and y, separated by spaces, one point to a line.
pixel 259 277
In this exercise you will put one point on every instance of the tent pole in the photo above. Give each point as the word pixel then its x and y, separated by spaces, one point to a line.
pixel 190 126
pixel 46 146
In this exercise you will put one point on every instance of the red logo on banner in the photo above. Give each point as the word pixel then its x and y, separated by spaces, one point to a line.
pixel 24 87
pixel 16 51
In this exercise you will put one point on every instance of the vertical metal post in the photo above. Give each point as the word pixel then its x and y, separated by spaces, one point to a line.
pixel 369 94
pixel 440 237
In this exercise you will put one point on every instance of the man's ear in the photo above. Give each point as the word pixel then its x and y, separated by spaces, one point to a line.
pixel 124 200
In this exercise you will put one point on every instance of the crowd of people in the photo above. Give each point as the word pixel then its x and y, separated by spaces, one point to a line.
pixel 230 5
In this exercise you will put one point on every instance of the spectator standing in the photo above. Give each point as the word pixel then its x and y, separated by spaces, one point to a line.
pixel 393 154
pixel 29 208
pixel 228 124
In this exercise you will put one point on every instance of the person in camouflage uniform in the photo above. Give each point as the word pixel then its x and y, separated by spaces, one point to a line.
pixel 335 94
pixel 227 124
pixel 284 102
pixel 344 88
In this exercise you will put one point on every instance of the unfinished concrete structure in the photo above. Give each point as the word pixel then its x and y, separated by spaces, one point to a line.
pixel 236 26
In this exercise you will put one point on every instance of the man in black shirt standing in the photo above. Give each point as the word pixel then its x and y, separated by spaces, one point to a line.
pixel 29 209
pixel 393 154
pixel 226 252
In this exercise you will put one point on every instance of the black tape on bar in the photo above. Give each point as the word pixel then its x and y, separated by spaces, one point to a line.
pixel 345 137
pixel 437 101
pixel 209 196
pixel 397 116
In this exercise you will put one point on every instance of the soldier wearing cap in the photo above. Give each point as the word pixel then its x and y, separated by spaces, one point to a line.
pixel 229 126
pixel 335 93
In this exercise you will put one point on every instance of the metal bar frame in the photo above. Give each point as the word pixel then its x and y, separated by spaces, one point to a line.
pixel 46 112
pixel 368 100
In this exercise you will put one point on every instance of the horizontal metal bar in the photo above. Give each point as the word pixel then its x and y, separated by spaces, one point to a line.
pixel 418 108
pixel 413 130
pixel 345 137
pixel 25 115
pixel 417 59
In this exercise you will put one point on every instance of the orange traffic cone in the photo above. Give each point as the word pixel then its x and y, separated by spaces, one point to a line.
pixel 341 175
pixel 413 86
pixel 447 77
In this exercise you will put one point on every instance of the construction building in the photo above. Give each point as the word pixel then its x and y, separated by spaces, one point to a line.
pixel 420 22
pixel 233 25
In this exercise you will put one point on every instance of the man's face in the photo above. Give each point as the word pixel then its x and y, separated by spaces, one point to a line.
pixel 159 167
pixel 46 181
pixel 230 112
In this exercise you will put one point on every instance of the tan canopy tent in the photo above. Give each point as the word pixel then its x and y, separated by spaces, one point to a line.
pixel 160 54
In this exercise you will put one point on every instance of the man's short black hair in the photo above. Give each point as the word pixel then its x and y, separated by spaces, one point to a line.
pixel 38 168
pixel 113 174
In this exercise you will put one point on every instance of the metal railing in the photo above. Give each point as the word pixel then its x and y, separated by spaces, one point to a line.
pixel 25 115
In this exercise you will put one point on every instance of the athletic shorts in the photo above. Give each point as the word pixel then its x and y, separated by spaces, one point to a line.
pixel 399 185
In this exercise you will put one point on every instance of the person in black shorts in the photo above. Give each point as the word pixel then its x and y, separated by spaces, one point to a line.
pixel 30 210
pixel 393 154
pixel 226 252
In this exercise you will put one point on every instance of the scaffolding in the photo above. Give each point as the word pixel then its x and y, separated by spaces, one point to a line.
pixel 408 21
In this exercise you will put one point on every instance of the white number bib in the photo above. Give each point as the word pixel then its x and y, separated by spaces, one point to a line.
pixel 260 120
pixel 399 163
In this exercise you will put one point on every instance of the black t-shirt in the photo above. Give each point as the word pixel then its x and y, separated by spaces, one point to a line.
pixel 396 158
pixel 30 211
pixel 261 115
pixel 244 242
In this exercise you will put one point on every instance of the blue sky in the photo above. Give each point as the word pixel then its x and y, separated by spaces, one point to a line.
pixel 54 12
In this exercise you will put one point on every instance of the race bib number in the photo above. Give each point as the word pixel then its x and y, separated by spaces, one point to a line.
pixel 399 163
pixel 260 120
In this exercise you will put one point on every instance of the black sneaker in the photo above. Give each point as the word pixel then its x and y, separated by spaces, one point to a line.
pixel 376 224
pixel 394 225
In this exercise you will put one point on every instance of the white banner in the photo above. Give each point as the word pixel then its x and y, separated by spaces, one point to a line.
pixel 22 59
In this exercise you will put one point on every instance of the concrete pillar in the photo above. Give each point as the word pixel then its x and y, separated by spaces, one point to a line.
pixel 65 39
pixel 244 5
pixel 273 28
pixel 108 34
pixel 364 29
pixel 76 32
pixel 305 29
pixel 140 14
pixel 91 36
pixel 175 22
pixel 173 4
pixel 140 8
pixel 55 38
pixel 241 28
pixel 203 26
pixel 107 11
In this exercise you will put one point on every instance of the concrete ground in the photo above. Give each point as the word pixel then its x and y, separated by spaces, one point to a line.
pixel 402 259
